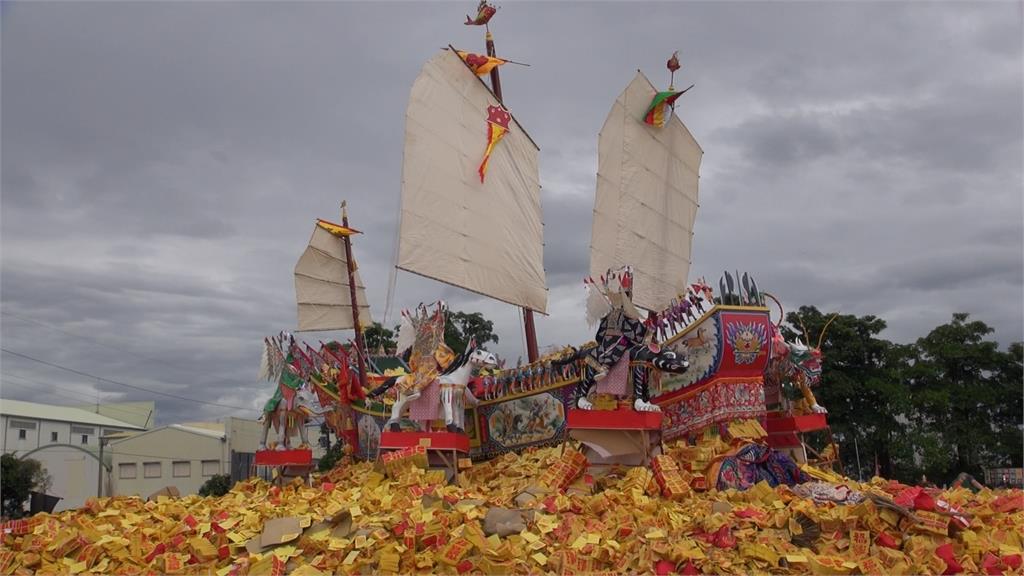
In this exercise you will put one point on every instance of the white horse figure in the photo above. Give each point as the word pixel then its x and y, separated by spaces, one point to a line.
pixel 454 384
pixel 286 422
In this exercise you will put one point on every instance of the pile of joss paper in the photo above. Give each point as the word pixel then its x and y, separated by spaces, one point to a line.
pixel 539 512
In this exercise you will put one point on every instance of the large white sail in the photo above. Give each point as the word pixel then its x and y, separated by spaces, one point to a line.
pixel 646 200
pixel 487 236
pixel 322 288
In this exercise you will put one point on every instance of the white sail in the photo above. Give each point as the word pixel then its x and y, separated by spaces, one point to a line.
pixel 322 288
pixel 646 200
pixel 486 237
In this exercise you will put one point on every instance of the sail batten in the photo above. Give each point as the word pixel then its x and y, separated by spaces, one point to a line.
pixel 322 289
pixel 647 200
pixel 486 237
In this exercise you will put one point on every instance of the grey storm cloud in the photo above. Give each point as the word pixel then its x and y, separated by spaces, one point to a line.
pixel 163 163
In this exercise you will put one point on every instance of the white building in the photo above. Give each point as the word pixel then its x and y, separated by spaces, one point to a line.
pixel 186 455
pixel 66 441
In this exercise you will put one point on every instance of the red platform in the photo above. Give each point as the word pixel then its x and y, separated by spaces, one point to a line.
pixel 621 419
pixel 284 458
pixel 788 424
pixel 431 440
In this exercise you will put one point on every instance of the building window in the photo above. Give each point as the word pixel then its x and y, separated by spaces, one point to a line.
pixel 182 469
pixel 27 425
pixel 85 438
pixel 151 469
pixel 22 433
pixel 211 467
pixel 53 436
pixel 83 430
pixel 126 471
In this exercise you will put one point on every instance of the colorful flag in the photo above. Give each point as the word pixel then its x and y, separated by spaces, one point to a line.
pixel 658 112
pixel 497 126
pixel 484 12
pixel 479 63
pixel 336 229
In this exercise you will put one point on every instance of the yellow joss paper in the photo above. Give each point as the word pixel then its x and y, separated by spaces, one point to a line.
pixel 455 550
pixel 284 552
pixel 796 558
pixel 350 558
pixel 759 552
pixel 389 562
pixel 540 559
pixel 306 570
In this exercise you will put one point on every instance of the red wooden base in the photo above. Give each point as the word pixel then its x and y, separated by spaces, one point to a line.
pixel 783 440
pixel 431 440
pixel 621 419
pixel 806 423
pixel 284 457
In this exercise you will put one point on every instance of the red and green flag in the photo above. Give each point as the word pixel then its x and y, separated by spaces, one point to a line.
pixel 484 13
pixel 497 126
pixel 659 111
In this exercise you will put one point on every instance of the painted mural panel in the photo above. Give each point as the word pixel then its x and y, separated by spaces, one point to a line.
pixel 526 420
pixel 702 347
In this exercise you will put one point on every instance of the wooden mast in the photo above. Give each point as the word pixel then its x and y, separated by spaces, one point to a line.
pixel 531 332
pixel 350 264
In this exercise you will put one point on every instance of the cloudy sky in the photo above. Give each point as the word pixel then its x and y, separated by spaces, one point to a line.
pixel 163 163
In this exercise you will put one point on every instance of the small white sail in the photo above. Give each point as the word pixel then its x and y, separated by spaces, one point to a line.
pixel 646 200
pixel 321 286
pixel 487 237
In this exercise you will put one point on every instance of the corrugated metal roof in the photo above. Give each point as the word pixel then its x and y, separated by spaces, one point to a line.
pixel 20 409
pixel 200 431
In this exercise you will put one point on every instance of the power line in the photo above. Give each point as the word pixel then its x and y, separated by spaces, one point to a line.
pixel 115 382
pixel 176 366
pixel 91 338
pixel 92 400
pixel 29 384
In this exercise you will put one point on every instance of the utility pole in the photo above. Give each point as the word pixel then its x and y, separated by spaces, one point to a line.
pixel 99 472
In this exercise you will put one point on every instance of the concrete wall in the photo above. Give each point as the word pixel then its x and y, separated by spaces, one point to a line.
pixel 72 465
pixel 166 457
pixel 244 435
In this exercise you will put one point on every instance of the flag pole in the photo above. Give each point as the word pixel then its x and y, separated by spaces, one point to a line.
pixel 350 265
pixel 531 331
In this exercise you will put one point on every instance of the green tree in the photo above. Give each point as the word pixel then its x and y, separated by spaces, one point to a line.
pixel 863 387
pixel 461 327
pixel 18 478
pixel 379 338
pixel 217 485
pixel 331 457
pixel 1008 417
pixel 967 393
